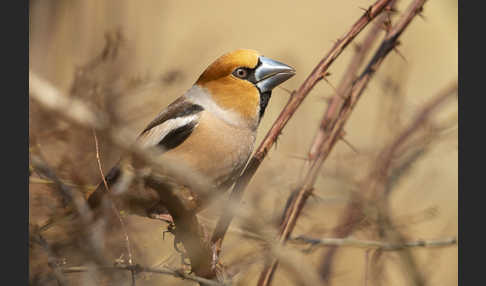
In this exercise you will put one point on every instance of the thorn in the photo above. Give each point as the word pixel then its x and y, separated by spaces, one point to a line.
pixel 287 90
pixel 395 49
pixel 299 157
pixel 343 133
pixel 387 24
pixel 368 13
pixel 391 10
pixel 323 75
pixel 419 12
pixel 373 69
pixel 334 88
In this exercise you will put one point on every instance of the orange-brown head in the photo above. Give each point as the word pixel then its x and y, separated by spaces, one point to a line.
pixel 242 81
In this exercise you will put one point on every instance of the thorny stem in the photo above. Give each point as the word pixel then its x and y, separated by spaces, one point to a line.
pixel 294 102
pixel 380 172
pixel 349 76
pixel 327 144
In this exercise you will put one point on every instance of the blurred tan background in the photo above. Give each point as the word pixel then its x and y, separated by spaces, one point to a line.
pixel 169 43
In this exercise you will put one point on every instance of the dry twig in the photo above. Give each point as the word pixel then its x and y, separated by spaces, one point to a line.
pixel 386 246
pixel 335 130
pixel 36 237
pixel 349 76
pixel 163 177
pixel 136 268
pixel 83 115
pixel 294 102
pixel 113 206
pixel 79 206
pixel 377 179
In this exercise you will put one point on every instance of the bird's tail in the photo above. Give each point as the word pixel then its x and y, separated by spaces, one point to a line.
pixel 95 198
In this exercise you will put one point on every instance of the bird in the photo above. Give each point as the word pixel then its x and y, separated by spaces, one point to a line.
pixel 212 127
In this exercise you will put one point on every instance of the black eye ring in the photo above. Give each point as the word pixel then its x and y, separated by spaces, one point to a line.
pixel 240 72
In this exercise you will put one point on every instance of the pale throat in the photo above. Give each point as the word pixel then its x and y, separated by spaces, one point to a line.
pixel 201 96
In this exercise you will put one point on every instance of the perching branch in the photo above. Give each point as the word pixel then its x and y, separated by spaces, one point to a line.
pixel 188 230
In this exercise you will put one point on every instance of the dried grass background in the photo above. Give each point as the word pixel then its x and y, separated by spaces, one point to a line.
pixel 164 47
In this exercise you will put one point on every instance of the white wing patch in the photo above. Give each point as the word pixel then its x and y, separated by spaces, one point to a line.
pixel 156 134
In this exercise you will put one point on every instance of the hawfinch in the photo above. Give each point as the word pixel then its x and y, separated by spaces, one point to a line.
pixel 212 127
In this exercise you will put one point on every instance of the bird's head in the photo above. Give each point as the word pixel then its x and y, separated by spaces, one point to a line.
pixel 242 82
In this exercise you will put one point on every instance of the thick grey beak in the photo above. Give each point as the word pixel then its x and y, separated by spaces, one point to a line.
pixel 271 73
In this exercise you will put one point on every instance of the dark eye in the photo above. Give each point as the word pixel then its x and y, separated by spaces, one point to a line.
pixel 240 72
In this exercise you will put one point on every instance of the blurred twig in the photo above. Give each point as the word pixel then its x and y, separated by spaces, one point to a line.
pixel 387 155
pixel 71 108
pixel 113 206
pixel 165 176
pixel 79 205
pixel 377 181
pixel 36 237
pixel 136 268
pixel 78 112
pixel 34 180
pixel 297 97
pixel 335 131
pixel 387 246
